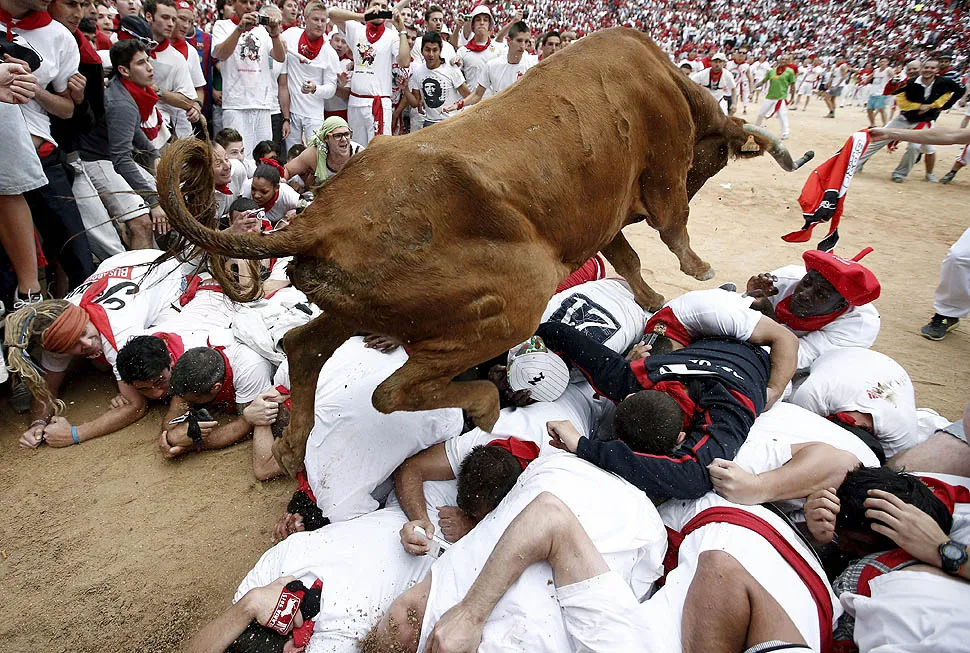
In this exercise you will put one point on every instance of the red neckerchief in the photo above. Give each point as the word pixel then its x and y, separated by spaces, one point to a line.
pixel 33 20
pixel 473 46
pixel 288 402
pixel 161 47
pixel 88 53
pixel 270 204
pixel 307 48
pixel 718 78
pixel 234 19
pixel 195 285
pixel 525 452
pixel 849 420
pixel 374 32
pixel 286 26
pixel 224 189
pixel 103 40
pixel 665 323
pixel 227 393
pixel 173 343
pixel 815 584
pixel 346 56
pixel 182 47
pixel 784 315
pixel 146 99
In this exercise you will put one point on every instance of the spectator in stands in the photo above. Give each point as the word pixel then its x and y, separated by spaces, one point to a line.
pixel 549 44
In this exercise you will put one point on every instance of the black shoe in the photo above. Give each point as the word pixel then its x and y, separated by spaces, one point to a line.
pixel 939 326
pixel 730 287
pixel 948 177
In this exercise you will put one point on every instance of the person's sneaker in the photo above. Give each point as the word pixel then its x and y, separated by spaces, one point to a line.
pixel 729 286
pixel 794 109
pixel 899 179
pixel 930 177
pixel 939 326
pixel 785 137
pixel 948 177
pixel 20 299
pixel 20 397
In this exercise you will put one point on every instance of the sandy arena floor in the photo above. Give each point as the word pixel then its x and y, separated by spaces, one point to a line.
pixel 107 547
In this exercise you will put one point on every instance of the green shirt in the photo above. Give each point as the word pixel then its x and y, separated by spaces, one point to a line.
pixel 778 84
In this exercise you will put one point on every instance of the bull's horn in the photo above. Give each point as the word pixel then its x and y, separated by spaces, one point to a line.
pixel 778 151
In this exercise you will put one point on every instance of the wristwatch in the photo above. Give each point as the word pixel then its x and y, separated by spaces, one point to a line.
pixel 954 556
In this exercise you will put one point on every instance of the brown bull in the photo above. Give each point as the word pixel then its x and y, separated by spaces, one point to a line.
pixel 452 239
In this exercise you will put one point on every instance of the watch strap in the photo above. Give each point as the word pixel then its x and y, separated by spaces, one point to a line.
pixel 950 564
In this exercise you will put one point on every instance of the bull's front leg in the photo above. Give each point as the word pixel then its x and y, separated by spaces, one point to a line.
pixel 626 261
pixel 677 240
pixel 307 349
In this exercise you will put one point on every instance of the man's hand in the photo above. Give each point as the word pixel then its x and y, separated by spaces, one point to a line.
pixel 33 437
pixel 639 350
pixel 309 87
pixel 217 98
pixel 248 21
pixel 821 509
pixel 264 409
pixel 246 224
pixel 455 522
pixel 398 21
pixel 58 432
pixel 772 397
pixel 762 285
pixel 159 221
pixel 383 344
pixel 563 435
pixel 343 78
pixel 168 451
pixel 286 129
pixel 193 114
pixel 119 401
pixel 923 108
pixel 877 134
pixel 450 108
pixel 906 525
pixel 75 85
pixel 17 85
pixel 456 61
pixel 734 483
pixel 178 437
pixel 414 543
pixel 459 630
pixel 287 525
pixel 275 27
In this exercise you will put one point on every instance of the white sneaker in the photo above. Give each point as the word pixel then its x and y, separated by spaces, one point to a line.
pixel 784 137
pixel 930 177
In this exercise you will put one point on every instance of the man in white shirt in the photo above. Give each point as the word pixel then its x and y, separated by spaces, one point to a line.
pixel 249 88
pixel 434 83
pixel 481 48
pixel 311 69
pixel 877 99
pixel 434 21
pixel 720 83
pixel 741 69
pixel 808 82
pixel 502 72
pixel 375 48
pixel 229 177
pixel 177 98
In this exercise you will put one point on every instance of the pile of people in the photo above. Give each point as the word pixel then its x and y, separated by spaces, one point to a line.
pixel 771 483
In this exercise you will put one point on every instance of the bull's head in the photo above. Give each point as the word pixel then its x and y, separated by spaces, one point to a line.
pixel 761 140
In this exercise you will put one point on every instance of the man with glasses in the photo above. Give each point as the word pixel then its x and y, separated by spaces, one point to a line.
pixel 327 153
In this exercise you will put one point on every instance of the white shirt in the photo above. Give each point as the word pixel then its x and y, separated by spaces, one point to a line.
pixel 740 71
pixel 352 448
pixel 172 74
pixel 247 76
pixel 438 87
pixel 857 327
pixel 288 199
pixel 195 68
pixel 715 313
pixel 500 74
pixel 603 310
pixel 724 87
pixel 372 62
pixel 133 299
pixel 528 616
pixel 58 49
pixel 251 373
pixel 321 70
pixel 473 64
pixel 237 181
pixel 857 379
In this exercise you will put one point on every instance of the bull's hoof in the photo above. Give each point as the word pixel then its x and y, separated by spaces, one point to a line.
pixel 291 463
pixel 705 276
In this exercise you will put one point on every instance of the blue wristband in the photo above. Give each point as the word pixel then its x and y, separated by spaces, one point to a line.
pixel 74 435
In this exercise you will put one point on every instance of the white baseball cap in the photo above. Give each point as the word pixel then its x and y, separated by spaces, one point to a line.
pixel 533 367
pixel 481 9
pixel 719 56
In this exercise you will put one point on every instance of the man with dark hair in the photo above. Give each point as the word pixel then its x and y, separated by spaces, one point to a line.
pixel 502 72
pixel 717 387
pixel 486 476
pixel 434 21
pixel 228 378
pixel 173 79
pixel 434 83
pixel 549 44
pixel 145 363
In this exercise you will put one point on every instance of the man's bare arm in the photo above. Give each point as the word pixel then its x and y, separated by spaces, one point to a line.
pixel 784 355
pixel 429 465
pixel 937 136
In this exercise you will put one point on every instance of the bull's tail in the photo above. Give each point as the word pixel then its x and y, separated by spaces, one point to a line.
pixel 185 192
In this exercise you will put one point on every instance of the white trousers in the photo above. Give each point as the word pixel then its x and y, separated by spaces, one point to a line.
pixel 952 297
pixel 782 114
pixel 302 129
pixel 363 125
pixel 102 235
pixel 254 125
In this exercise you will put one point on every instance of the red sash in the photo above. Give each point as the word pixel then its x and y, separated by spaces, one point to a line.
pixel 195 285
pixel 593 269
pixel 816 585
pixel 227 394
pixel 784 316
pixel 377 110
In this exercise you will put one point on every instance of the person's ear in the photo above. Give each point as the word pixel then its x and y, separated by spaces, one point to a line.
pixel 681 437
pixel 124 71
pixel 216 388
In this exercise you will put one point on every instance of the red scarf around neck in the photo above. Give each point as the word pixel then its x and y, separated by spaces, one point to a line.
pixel 33 20
pixel 146 99
pixel 161 47
pixel 270 204
pixel 307 48
pixel 784 316
pixel 224 189
pixel 88 54
pixel 473 46
pixel 182 47
pixel 374 32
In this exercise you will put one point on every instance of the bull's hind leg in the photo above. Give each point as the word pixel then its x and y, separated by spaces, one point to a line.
pixel 307 349
pixel 624 258
pixel 425 382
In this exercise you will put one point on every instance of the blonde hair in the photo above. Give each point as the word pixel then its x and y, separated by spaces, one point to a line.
pixel 314 5
pixel 25 330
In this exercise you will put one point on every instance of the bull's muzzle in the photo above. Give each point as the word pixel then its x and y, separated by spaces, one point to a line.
pixel 778 151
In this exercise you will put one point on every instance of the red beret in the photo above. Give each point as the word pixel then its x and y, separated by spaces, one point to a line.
pixel 855 282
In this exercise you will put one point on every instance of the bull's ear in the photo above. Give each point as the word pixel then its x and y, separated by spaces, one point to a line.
pixel 746 145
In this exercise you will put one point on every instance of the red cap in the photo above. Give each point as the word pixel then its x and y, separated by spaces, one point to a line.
pixel 183 4
pixel 855 282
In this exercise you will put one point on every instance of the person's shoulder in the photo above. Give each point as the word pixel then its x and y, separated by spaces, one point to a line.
pixel 289 194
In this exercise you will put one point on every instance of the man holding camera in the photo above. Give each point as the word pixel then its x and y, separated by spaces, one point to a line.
pixel 375 49
pixel 244 45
